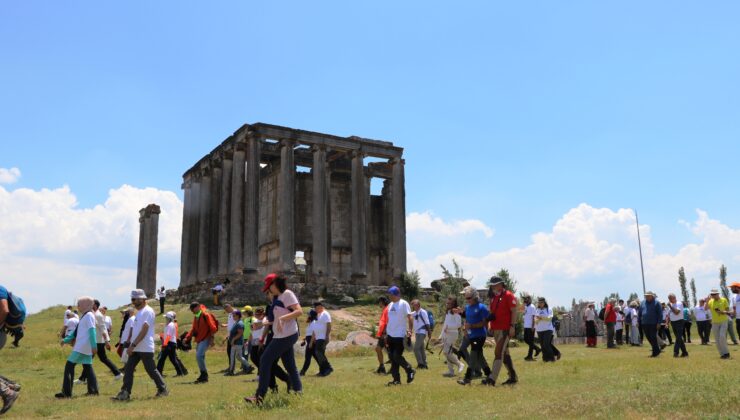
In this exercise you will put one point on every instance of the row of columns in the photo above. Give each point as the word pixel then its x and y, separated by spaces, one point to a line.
pixel 221 214
pixel 146 267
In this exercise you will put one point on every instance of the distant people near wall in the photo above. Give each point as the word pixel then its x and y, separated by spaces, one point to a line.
pixel 169 346
pixel 308 342
pixel 84 347
pixel 382 323
pixel 162 296
pixel 589 317
pixel 217 291
pixel 322 333
pixel 634 321
pixel 719 307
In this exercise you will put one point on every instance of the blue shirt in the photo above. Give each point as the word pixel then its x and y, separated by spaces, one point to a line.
pixel 475 314
pixel 651 313
pixel 3 293
pixel 235 331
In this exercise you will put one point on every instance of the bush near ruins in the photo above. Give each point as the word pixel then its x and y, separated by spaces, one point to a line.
pixel 409 285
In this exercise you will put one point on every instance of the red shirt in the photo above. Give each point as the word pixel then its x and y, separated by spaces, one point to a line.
pixel 501 306
pixel 383 322
pixel 610 315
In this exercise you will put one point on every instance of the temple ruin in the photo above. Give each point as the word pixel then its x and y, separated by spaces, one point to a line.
pixel 268 192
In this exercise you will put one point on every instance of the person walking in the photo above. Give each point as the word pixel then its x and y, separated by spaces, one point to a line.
pixel 229 309
pixel 382 323
pixel 634 328
pixel 686 323
pixel 10 390
pixel 399 328
pixel 141 348
pixel 236 339
pixel 720 310
pixel 502 319
pixel 127 329
pixel 610 320
pixel 248 319
pixel 203 331
pixel 545 329
pixel 83 350
pixel 103 343
pixel 308 342
pixel 650 316
pixel 589 317
pixel 255 337
pixel 476 318
pixel 421 332
pixel 675 317
pixel 162 296
pixel 217 290
pixel 528 321
pixel 286 311
pixel 322 334
pixel 735 288
pixel 169 346
pixel 69 324
pixel 665 331
pixel 703 322
pixel 449 336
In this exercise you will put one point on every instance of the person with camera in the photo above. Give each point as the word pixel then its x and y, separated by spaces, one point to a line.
pixel 476 318
pixel 503 309
pixel 720 310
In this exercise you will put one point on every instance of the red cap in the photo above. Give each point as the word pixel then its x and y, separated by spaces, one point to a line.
pixel 269 279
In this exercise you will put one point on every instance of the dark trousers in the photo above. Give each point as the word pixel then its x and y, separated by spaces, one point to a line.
pixel 610 334
pixel 320 352
pixel 477 360
pixel 279 349
pixel 619 338
pixel 678 332
pixel 228 352
pixel 548 355
pixel 69 377
pixel 148 360
pixel 591 333
pixel 651 333
pixel 103 356
pixel 310 354
pixel 704 328
pixel 737 326
pixel 686 331
pixel 641 331
pixel 529 339
pixel 254 356
pixel 395 353
pixel 161 305
pixel 665 333
pixel 170 352
pixel 626 328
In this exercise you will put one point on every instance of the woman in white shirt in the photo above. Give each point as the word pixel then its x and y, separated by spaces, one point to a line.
pixel 450 334
pixel 634 320
pixel 619 326
pixel 544 328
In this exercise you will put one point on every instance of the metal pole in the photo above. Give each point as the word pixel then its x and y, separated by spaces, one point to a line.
pixel 639 244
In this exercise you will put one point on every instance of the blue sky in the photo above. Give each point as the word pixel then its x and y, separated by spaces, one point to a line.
pixel 511 115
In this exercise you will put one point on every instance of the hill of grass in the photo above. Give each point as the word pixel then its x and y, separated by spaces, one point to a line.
pixel 585 383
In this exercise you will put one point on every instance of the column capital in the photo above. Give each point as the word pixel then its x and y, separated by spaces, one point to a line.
pixel 186 184
pixel 287 143
pixel 396 160
pixel 319 147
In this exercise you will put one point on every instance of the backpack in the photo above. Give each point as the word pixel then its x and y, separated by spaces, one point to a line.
pixel 601 313
pixel 16 312
pixel 628 317
pixel 432 323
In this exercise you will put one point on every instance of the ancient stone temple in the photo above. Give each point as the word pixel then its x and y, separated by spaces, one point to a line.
pixel 146 268
pixel 267 193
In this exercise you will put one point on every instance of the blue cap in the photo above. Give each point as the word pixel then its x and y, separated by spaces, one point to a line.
pixel 394 290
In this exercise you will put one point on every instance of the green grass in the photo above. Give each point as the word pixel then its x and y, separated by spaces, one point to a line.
pixel 585 383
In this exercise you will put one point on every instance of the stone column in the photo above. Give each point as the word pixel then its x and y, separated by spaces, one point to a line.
pixel 252 205
pixel 359 216
pixel 320 249
pixel 204 223
pixel 142 240
pixel 236 236
pixel 224 214
pixel 398 203
pixel 194 220
pixel 150 285
pixel 184 245
pixel 286 207
pixel 215 209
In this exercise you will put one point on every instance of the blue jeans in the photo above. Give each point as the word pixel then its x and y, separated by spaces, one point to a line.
pixel 200 355
pixel 279 348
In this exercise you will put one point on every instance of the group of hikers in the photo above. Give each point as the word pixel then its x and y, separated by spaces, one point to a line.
pixel 266 336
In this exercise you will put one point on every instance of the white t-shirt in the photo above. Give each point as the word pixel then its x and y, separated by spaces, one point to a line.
pixel 230 321
pixel 544 325
pixel 170 331
pixel 421 320
pixel 108 324
pixel 82 341
pixel 70 324
pixel 529 315
pixel 161 293
pixel 289 328
pixel 398 313
pixel 144 316
pixel 218 288
pixel 311 329
pixel 128 328
pixel 679 315
pixel 101 330
pixel 634 317
pixel 257 333
pixel 452 324
pixel 590 314
pixel 620 322
pixel 321 322
pixel 700 314
pixel 666 311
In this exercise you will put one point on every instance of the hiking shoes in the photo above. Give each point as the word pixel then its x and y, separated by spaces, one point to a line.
pixel 122 396
pixel 60 395
pixel 510 381
pixel 488 381
pixel 464 381
pixel 393 383
pixel 162 393
pixel 410 375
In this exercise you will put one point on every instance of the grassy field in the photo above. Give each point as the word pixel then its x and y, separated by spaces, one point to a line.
pixel 585 383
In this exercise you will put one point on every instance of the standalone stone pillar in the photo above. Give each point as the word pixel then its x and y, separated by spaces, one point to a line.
pixel 359 216
pixel 204 224
pixel 224 214
pixel 236 237
pixel 320 246
pixel 252 205
pixel 286 203
pixel 146 277
pixel 184 248
pixel 398 208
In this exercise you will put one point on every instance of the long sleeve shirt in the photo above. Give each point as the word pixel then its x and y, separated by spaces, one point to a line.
pixel 650 313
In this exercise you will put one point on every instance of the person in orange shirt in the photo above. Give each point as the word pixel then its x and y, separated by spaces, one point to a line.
pixel 204 328
pixel 383 303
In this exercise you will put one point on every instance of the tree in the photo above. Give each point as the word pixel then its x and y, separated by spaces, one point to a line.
pixel 723 281
pixel 682 282
pixel 614 296
pixel 692 284
pixel 410 285
pixel 451 285
pixel 633 297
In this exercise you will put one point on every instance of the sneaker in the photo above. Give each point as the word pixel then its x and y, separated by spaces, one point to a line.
pixel 10 399
pixel 529 359
pixel 410 375
pixel 91 394
pixel 464 381
pixel 725 356
pixel 488 381
pixel 248 371
pixel 460 367
pixel 79 382
pixel 118 377
pixel 449 374
pixel 327 372
pixel 122 396
pixel 229 373
pixel 59 395
pixel 393 383
pixel 510 381
pixel 381 370
pixel 162 393
pixel 255 399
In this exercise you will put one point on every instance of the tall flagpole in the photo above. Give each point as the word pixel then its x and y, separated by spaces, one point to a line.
pixel 639 244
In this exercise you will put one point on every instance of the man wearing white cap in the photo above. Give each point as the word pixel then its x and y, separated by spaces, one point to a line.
pixel 141 348
pixel 720 310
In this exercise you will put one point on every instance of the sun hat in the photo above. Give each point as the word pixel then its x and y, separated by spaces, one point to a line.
pixel 714 292
pixel 649 293
pixel 138 294
pixel 495 280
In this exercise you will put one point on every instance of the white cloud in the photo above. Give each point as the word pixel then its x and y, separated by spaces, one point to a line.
pixel 591 252
pixel 9 176
pixel 428 223
pixel 52 250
